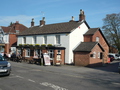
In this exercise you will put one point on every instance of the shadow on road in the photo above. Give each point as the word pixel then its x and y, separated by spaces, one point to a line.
pixel 111 67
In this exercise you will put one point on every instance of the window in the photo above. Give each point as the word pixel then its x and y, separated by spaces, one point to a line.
pixel 57 39
pixel 45 40
pixel 34 40
pixel 38 53
pixel 97 39
pixel 17 31
pixel 51 54
pixel 94 54
pixel 98 54
pixel 24 40
pixel 27 53
pixel 59 52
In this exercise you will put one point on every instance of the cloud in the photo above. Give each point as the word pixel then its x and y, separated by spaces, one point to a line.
pixel 23 19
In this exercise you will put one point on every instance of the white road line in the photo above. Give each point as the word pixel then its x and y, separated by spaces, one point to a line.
pixel 19 76
pixel 31 80
pixel 55 87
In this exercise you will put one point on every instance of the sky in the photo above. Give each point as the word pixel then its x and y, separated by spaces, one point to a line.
pixel 56 11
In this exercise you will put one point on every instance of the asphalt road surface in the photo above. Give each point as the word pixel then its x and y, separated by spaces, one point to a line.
pixel 34 77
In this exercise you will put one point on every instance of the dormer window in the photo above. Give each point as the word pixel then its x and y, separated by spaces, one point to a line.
pixel 17 31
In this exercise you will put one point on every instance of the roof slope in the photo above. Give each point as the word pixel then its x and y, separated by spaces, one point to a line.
pixel 65 27
pixel 86 46
pixel 11 29
pixel 91 31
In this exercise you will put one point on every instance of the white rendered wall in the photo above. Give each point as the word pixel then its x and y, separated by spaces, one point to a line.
pixel 75 38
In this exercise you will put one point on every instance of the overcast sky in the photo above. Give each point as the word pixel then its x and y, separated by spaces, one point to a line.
pixel 56 11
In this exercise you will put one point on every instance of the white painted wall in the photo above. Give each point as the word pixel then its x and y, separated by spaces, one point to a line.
pixel 75 38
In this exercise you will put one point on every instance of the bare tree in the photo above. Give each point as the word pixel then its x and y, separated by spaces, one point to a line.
pixel 111 29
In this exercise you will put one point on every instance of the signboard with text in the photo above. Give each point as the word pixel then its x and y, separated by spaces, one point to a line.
pixel 46 59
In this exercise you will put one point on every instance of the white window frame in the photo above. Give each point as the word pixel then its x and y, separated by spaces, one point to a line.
pixel 34 39
pixel 97 39
pixel 45 39
pixel 98 54
pixel 51 54
pixel 36 53
pixel 94 54
pixel 24 40
pixel 57 37
pixel 27 52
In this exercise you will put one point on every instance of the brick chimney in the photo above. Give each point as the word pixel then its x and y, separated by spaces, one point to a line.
pixel 16 27
pixel 72 19
pixel 42 22
pixel 32 22
pixel 81 16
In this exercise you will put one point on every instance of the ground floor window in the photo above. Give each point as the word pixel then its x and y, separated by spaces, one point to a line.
pixel 27 52
pixel 38 53
pixel 51 54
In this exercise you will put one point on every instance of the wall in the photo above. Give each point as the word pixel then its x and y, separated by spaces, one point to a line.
pixel 102 43
pixel 96 61
pixel 76 37
pixel 81 58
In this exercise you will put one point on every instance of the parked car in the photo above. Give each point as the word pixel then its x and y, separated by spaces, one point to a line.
pixel 119 68
pixel 116 55
pixel 5 66
pixel 111 57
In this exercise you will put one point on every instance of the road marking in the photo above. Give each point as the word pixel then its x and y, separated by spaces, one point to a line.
pixel 19 76
pixel 115 83
pixel 31 80
pixel 55 87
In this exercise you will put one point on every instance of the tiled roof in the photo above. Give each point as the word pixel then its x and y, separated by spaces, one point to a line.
pixel 91 31
pixel 11 29
pixel 65 27
pixel 86 46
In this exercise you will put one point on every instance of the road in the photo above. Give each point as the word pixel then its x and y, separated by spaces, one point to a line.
pixel 34 77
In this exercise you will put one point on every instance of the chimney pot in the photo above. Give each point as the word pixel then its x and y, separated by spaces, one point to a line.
pixel 42 22
pixel 32 22
pixel 81 16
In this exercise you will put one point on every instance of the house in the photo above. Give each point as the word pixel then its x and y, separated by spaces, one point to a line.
pixel 59 40
pixel 62 36
pixel 8 39
pixel 93 51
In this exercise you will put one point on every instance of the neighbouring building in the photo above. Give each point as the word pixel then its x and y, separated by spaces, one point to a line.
pixel 95 49
pixel 60 40
pixel 8 39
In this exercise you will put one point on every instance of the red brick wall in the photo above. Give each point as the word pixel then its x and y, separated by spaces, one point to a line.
pixel 102 43
pixel 62 57
pixel 85 59
pixel 92 38
pixel 81 58
pixel 95 61
pixel 87 38
pixel 12 39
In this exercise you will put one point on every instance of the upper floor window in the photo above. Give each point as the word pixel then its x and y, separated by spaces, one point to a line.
pixel 97 39
pixel 57 39
pixel 45 40
pixel 24 40
pixel 34 40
